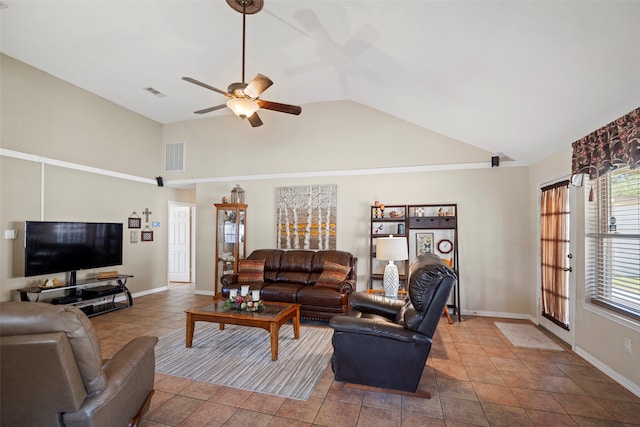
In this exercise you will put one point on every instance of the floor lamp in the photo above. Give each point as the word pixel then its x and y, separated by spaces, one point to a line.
pixel 391 249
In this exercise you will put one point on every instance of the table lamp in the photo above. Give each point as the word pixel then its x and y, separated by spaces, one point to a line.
pixel 391 249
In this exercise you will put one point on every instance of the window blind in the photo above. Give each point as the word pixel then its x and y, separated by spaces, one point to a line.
pixel 613 241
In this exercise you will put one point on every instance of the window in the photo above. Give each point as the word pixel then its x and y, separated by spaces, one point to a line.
pixel 613 241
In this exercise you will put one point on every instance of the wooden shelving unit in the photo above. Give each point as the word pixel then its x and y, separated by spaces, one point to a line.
pixel 429 228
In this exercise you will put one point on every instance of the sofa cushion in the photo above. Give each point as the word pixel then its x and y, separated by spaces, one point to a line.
pixel 321 297
pixel 333 275
pixel 339 257
pixel 295 267
pixel 272 262
pixel 282 292
pixel 250 271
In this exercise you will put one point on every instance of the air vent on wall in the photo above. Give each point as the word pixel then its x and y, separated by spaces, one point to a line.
pixel 174 157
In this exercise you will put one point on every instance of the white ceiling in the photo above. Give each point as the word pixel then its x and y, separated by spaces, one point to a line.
pixel 524 78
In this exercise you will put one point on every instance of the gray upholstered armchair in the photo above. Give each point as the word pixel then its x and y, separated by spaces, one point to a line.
pixel 52 372
pixel 384 342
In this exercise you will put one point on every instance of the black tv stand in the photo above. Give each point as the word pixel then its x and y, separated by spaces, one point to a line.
pixel 92 296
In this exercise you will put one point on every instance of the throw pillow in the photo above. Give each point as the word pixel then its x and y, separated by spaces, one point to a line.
pixel 250 271
pixel 333 275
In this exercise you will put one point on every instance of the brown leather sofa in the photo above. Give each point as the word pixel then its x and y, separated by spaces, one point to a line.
pixel 290 276
pixel 52 372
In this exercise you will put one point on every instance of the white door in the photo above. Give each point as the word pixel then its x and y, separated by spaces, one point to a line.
pixel 179 243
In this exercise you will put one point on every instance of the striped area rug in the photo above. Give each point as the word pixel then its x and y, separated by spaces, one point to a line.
pixel 240 357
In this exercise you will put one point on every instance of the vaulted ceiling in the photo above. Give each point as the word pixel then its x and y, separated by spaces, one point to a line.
pixel 524 78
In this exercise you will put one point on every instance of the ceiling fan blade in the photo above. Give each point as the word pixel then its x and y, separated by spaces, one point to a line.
pixel 255 120
pixel 206 86
pixel 312 24
pixel 210 109
pixel 282 108
pixel 258 85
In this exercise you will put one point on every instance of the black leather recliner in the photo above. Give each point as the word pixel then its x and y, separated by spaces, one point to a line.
pixel 384 342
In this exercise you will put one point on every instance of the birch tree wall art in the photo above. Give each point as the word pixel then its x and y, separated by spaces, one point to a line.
pixel 306 217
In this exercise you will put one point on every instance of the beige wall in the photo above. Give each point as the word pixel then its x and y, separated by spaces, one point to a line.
pixel 46 117
pixel 598 334
pixel 325 137
pixel 493 234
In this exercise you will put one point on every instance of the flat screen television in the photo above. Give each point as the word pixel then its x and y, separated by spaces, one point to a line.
pixel 56 247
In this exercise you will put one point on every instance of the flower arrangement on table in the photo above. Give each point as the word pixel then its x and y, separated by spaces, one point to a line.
pixel 242 303
pixel 246 301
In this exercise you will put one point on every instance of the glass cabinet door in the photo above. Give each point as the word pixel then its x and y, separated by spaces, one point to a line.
pixel 230 232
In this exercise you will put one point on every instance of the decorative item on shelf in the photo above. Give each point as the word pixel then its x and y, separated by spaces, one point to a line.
pixel 376 203
pixel 108 275
pixel 440 212
pixel 244 303
pixel 449 212
pixel 134 221
pixel 419 211
pixel 401 229
pixel 55 283
pixel 445 246
pixel 391 249
pixel 237 194
pixel 378 229
pixel 381 210
pixel 225 199
pixel 376 212
pixel 396 214
pixel 147 234
pixel 227 256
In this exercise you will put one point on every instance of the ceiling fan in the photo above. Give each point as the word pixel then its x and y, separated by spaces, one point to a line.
pixel 244 98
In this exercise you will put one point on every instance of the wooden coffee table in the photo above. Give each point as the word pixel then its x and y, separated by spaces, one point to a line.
pixel 274 315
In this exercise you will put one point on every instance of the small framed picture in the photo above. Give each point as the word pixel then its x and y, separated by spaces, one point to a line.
pixel 147 235
pixel 135 222
pixel 424 243
pixel 133 237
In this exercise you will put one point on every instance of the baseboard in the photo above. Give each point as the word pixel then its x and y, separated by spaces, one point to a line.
pixel 150 291
pixel 617 377
pixel 500 314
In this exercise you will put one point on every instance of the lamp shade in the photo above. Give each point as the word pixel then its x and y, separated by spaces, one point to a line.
pixel 392 248
pixel 242 107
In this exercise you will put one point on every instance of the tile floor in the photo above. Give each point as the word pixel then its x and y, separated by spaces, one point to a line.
pixel 476 377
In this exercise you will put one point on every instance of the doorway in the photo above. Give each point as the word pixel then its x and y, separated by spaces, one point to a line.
pixel 181 243
pixel 556 290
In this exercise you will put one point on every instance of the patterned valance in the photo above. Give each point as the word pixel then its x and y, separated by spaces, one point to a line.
pixel 612 146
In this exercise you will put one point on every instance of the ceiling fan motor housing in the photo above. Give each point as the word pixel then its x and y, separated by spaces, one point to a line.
pixel 237 89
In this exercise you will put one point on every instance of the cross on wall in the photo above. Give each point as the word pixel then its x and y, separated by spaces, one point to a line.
pixel 146 214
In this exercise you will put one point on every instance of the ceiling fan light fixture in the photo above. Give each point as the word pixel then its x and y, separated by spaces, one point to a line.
pixel 242 107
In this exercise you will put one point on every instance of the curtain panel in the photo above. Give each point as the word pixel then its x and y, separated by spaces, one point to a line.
pixel 554 251
pixel 612 146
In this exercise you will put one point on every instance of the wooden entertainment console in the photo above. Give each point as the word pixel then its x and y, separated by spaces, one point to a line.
pixel 92 296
